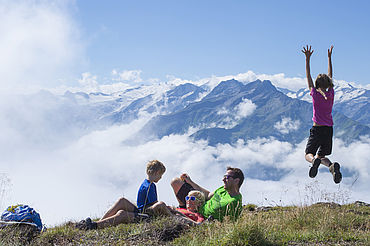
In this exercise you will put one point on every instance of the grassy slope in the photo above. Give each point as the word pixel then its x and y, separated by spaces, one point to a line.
pixel 316 224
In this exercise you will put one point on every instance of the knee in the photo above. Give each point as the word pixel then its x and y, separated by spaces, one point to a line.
pixel 176 183
pixel 121 213
pixel 121 200
pixel 161 204
pixel 308 155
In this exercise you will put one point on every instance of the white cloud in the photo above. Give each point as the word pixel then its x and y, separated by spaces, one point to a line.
pixel 89 82
pixel 39 44
pixel 287 125
pixel 85 177
pixel 222 111
pixel 232 117
pixel 245 108
pixel 128 75
pixel 278 80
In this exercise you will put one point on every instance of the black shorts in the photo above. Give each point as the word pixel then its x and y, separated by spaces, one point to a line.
pixel 183 192
pixel 321 139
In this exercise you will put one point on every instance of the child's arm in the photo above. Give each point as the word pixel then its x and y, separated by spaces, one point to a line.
pixel 330 68
pixel 308 52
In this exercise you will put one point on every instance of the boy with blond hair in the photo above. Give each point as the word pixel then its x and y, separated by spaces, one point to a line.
pixel 147 200
pixel 124 211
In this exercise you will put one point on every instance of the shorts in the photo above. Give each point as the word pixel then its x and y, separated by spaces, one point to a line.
pixel 141 210
pixel 183 192
pixel 320 140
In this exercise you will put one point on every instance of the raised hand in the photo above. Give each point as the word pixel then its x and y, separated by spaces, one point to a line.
pixel 330 51
pixel 307 51
pixel 330 67
pixel 185 177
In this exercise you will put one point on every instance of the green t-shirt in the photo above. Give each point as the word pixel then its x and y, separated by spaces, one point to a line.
pixel 222 204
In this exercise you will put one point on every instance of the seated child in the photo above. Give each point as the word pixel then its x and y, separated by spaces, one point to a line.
pixel 147 201
pixel 123 211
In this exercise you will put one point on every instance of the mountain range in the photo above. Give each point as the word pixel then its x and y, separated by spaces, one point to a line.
pixel 219 114
pixel 275 115
pixel 224 113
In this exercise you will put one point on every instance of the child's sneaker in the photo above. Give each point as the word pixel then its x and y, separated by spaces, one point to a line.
pixel 141 217
pixel 315 166
pixel 87 224
pixel 335 170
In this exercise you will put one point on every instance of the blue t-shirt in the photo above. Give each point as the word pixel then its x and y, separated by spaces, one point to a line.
pixel 147 195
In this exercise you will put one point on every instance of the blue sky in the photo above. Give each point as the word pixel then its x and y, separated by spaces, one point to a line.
pixel 55 42
pixel 191 39
pixel 78 44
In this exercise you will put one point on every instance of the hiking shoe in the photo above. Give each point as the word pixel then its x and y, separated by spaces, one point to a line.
pixel 87 224
pixel 141 217
pixel 81 225
pixel 91 225
pixel 315 166
pixel 335 170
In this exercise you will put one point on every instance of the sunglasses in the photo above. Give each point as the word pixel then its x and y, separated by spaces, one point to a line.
pixel 191 198
pixel 228 176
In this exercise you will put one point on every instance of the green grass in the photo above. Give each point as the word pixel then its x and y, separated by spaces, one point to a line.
pixel 316 224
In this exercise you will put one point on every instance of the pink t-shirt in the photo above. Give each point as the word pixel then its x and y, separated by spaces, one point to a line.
pixel 322 107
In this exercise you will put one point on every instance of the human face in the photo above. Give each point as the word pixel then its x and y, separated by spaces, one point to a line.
pixel 192 203
pixel 155 177
pixel 229 181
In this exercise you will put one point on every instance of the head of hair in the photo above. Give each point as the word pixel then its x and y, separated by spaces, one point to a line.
pixel 199 195
pixel 237 174
pixel 323 81
pixel 155 166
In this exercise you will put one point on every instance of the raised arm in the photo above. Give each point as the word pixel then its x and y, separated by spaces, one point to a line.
pixel 186 178
pixel 308 52
pixel 330 67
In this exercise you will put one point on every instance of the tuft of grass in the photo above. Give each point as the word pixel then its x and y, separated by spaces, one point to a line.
pixel 316 224
pixel 250 207
pixel 320 224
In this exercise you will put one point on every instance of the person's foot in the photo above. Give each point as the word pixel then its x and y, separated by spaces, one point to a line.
pixel 141 217
pixel 87 224
pixel 315 166
pixel 335 170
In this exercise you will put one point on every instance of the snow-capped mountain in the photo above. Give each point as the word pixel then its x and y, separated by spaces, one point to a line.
pixel 229 111
pixel 351 101
pixel 274 115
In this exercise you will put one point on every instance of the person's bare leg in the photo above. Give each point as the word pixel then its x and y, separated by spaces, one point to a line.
pixel 176 184
pixel 309 157
pixel 334 168
pixel 160 208
pixel 120 217
pixel 315 164
pixel 121 204
pixel 325 160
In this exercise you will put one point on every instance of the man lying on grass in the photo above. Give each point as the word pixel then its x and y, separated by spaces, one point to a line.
pixel 225 201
